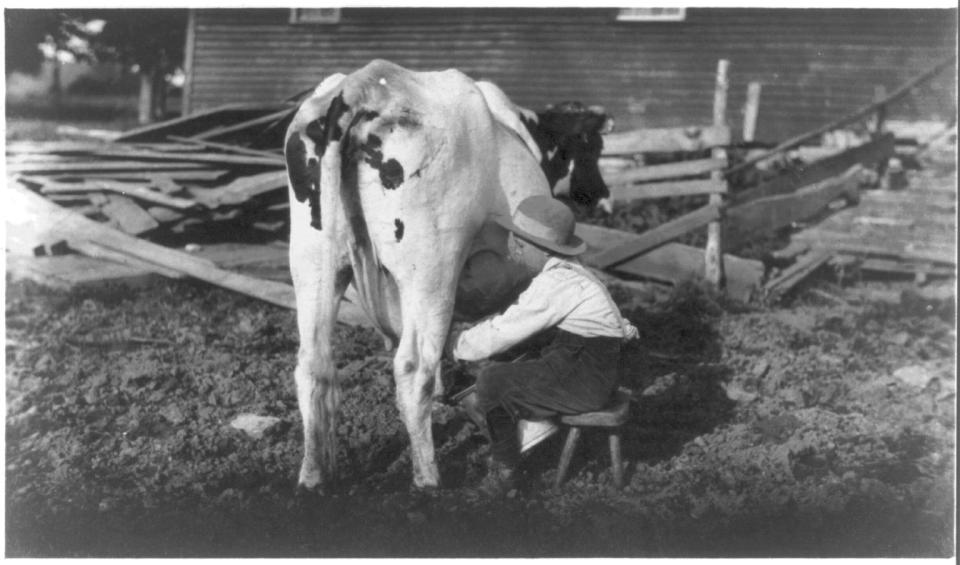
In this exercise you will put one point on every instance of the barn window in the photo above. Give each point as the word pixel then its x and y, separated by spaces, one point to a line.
pixel 651 14
pixel 315 15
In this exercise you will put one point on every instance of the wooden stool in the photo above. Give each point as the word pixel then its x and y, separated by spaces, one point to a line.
pixel 612 417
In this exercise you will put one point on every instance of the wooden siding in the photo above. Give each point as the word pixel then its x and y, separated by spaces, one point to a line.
pixel 814 64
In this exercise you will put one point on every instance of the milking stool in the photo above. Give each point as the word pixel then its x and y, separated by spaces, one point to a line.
pixel 612 417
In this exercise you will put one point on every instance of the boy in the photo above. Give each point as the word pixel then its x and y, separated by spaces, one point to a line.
pixel 578 372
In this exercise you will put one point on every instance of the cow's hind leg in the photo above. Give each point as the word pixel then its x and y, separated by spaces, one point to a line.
pixel 416 370
pixel 318 392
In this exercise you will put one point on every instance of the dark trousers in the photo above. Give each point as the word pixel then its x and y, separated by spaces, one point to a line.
pixel 574 374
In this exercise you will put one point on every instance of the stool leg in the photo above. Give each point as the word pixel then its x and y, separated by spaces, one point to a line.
pixel 616 461
pixel 566 456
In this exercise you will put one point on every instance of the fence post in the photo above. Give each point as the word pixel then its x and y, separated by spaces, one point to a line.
pixel 713 254
pixel 879 93
pixel 751 111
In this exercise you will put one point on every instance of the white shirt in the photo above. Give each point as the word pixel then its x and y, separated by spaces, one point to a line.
pixel 563 294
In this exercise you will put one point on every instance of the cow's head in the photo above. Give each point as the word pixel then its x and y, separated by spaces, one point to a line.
pixel 570 140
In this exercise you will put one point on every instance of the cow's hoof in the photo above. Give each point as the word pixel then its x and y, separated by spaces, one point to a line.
pixel 308 493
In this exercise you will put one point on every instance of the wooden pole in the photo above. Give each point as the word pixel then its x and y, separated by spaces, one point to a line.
pixel 879 94
pixel 751 111
pixel 713 254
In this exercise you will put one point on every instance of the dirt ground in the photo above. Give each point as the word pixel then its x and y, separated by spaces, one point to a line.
pixel 818 428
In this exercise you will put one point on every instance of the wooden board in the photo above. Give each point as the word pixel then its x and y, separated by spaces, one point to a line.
pixel 665 171
pixel 665 140
pixel 672 262
pixel 133 190
pixel 667 189
pixel 198 175
pixel 226 147
pixel 868 155
pixel 657 236
pixel 76 271
pixel 127 216
pixel 766 215
pixel 197 157
pixel 29 147
pixel 35 217
pixel 260 121
pixel 101 166
pixel 797 272
pixel 242 189
pixel 195 123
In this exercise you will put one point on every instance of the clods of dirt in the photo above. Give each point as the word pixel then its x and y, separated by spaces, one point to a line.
pixel 804 430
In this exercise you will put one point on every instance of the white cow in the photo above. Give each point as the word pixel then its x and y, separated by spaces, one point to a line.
pixel 394 176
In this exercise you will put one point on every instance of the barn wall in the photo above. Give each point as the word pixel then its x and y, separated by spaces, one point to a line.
pixel 814 64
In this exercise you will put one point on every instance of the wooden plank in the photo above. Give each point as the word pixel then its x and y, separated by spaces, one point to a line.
pixel 672 262
pixel 713 265
pixel 797 272
pixel 99 251
pixel 70 272
pixel 905 268
pixel 242 189
pixel 857 115
pixel 751 111
pixel 164 215
pixel 199 175
pixel 867 155
pixel 657 236
pixel 102 166
pixel 861 249
pixel 134 190
pixel 668 189
pixel 213 158
pixel 260 121
pixel 226 147
pixel 194 123
pixel 766 215
pixel 665 171
pixel 28 147
pixel 127 216
pixel 665 140
pixel 33 213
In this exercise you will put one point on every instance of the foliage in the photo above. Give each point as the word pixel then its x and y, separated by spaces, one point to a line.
pixel 148 39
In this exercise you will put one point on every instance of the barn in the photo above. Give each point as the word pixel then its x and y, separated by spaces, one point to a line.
pixel 648 67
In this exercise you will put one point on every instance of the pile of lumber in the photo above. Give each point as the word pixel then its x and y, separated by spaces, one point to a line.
pixel 217 166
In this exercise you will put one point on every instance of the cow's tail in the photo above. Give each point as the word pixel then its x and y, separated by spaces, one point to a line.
pixel 322 169
pixel 376 288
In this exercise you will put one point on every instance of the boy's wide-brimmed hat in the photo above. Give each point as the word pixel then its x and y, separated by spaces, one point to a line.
pixel 546 223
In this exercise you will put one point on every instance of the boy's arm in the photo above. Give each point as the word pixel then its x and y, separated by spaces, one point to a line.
pixel 533 312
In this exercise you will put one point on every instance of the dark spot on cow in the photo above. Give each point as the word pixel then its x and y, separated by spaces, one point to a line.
pixel 304 176
pixel 316 131
pixel 315 209
pixel 399 231
pixel 408 367
pixel 334 131
pixel 298 167
pixel 391 172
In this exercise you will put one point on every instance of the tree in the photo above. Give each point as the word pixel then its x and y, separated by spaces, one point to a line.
pixel 151 42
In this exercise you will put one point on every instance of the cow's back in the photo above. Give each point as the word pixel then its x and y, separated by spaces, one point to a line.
pixel 416 161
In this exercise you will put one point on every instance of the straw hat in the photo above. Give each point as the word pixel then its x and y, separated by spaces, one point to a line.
pixel 546 223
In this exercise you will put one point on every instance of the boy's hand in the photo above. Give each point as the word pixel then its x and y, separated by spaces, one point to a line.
pixel 456 329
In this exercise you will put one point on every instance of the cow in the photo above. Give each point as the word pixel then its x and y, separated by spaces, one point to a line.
pixel 394 177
